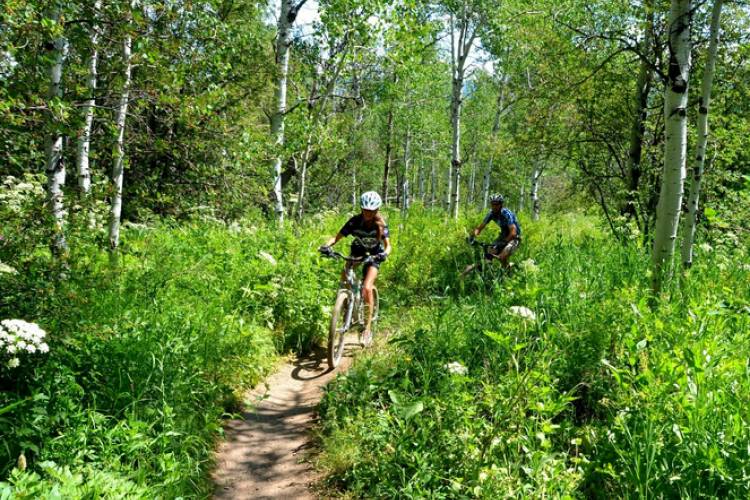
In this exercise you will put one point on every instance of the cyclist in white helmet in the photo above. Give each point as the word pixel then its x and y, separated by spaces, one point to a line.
pixel 371 238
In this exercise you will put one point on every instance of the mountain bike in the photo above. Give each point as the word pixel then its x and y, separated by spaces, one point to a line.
pixel 486 254
pixel 349 309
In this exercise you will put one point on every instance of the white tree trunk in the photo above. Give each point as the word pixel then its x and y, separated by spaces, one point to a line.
pixel 421 181
pixel 470 191
pixel 119 156
pixel 84 138
pixel 536 176
pixel 54 165
pixel 449 189
pixel 493 136
pixel 460 49
pixel 405 179
pixel 433 183
pixel 287 16
pixel 354 187
pixel 675 143
pixel 486 188
pixel 700 155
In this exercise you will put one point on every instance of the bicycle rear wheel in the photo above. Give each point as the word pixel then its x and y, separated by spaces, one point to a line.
pixel 338 328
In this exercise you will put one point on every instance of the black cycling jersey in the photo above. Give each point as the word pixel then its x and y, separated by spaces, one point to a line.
pixel 365 235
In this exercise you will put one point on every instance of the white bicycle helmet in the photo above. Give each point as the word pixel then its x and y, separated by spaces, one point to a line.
pixel 496 198
pixel 370 200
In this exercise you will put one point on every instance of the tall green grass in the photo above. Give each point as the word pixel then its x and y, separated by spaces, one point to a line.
pixel 145 360
pixel 599 396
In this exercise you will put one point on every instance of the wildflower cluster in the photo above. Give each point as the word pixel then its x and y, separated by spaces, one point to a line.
pixel 18 338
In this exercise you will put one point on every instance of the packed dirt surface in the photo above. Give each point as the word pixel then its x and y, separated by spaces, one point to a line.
pixel 264 454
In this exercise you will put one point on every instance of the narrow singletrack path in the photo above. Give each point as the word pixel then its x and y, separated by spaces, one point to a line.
pixel 264 454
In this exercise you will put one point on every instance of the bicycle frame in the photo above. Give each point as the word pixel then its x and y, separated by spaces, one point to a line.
pixel 351 285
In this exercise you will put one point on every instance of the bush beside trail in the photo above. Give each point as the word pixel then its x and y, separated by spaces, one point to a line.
pixel 144 361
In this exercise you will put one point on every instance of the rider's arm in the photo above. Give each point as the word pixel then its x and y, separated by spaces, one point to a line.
pixel 387 246
pixel 479 228
pixel 335 239
pixel 512 234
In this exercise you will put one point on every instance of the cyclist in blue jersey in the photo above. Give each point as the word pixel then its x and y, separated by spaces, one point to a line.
pixel 510 230
pixel 371 238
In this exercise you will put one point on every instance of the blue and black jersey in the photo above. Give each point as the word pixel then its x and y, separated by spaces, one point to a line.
pixel 505 218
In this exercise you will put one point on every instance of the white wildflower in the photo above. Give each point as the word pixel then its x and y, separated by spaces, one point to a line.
pixel 529 266
pixel 705 247
pixel 14 362
pixel 746 267
pixel 18 336
pixel 523 312
pixel 268 257
pixel 6 269
pixel 234 227
pixel 457 368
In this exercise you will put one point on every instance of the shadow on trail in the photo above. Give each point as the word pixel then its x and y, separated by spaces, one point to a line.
pixel 315 364
pixel 264 452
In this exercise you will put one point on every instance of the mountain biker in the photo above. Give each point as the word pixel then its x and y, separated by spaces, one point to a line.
pixel 371 238
pixel 510 230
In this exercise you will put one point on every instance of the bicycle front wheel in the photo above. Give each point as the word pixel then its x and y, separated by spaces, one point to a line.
pixel 339 326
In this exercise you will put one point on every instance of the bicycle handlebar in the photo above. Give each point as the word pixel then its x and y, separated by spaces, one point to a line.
pixel 471 241
pixel 338 255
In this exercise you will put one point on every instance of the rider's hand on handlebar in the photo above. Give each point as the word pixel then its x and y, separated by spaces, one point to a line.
pixel 471 239
pixel 325 250
pixel 380 257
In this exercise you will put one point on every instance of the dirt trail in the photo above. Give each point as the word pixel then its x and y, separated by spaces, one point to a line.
pixel 263 456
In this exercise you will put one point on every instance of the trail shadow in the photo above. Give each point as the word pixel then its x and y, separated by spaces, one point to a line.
pixel 315 363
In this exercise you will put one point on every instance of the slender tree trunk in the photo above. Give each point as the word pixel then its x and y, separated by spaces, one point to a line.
pixel 433 184
pixel 675 112
pixel 405 185
pixel 700 155
pixel 486 187
pixel 460 49
pixel 472 183
pixel 449 190
pixel 421 181
pixel 84 138
pixel 388 153
pixel 287 16
pixel 640 102
pixel 354 187
pixel 119 156
pixel 536 177
pixel 54 165
pixel 493 136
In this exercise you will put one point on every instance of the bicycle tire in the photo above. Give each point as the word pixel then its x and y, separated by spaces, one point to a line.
pixel 338 329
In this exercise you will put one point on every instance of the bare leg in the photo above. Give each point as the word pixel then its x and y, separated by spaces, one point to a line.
pixel 367 287
pixel 467 270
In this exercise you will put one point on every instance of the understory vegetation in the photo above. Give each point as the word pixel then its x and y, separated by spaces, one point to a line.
pixel 596 394
pixel 145 360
